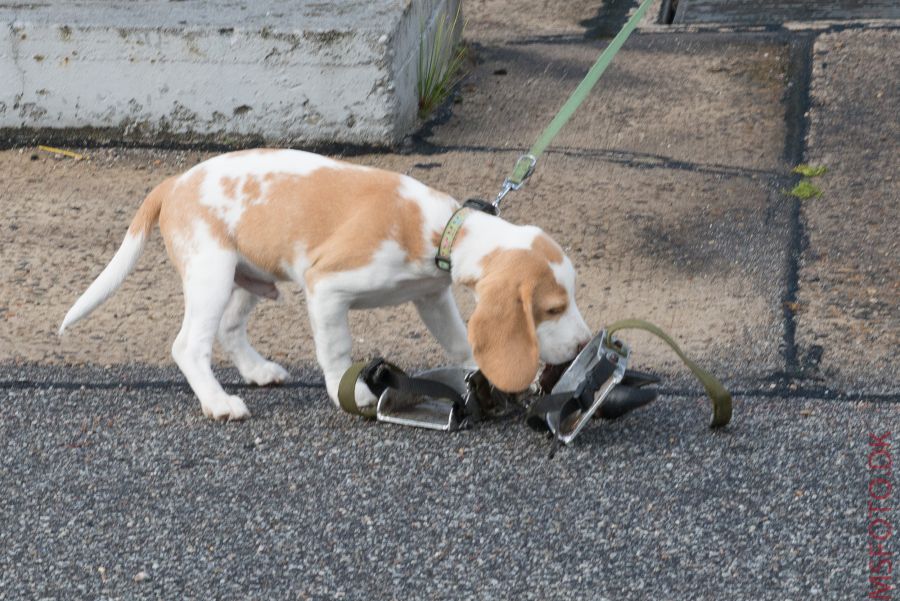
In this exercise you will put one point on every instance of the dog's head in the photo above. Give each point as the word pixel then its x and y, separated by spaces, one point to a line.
pixel 525 313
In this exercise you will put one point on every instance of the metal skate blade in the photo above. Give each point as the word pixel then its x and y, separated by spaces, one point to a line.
pixel 424 411
pixel 594 373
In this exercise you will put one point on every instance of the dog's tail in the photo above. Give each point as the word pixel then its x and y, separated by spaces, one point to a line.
pixel 123 261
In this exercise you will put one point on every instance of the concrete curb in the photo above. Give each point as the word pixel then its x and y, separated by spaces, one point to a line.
pixel 214 72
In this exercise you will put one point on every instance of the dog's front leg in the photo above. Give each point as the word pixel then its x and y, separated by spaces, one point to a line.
pixel 441 316
pixel 331 332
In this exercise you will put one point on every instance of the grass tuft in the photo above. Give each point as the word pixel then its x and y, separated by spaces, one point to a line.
pixel 806 190
pixel 810 170
pixel 441 59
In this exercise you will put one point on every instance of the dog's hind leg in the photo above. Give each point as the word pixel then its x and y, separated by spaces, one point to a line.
pixel 208 281
pixel 232 335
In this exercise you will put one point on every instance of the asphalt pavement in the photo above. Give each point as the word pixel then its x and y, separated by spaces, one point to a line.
pixel 117 488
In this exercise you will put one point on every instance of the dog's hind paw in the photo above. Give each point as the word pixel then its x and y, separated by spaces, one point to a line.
pixel 266 374
pixel 225 407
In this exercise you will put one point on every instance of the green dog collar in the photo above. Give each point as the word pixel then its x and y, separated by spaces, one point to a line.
pixel 451 230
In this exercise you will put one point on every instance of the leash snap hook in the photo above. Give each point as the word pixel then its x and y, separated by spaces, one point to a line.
pixel 521 172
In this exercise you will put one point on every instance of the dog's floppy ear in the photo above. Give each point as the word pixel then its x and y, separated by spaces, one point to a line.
pixel 502 332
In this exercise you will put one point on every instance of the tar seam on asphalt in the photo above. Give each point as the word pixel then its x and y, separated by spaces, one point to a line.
pixel 797 103
pixel 175 385
pixel 713 30
pixel 801 392
pixel 627 158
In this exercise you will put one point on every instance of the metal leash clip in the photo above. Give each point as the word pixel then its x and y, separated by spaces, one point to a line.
pixel 511 186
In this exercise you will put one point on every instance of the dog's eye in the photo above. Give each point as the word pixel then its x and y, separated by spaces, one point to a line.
pixel 556 310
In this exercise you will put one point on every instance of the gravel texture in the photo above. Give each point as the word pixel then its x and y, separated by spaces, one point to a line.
pixel 117 488
pixel 850 277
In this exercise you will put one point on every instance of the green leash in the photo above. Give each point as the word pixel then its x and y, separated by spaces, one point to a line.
pixel 525 165
pixel 720 397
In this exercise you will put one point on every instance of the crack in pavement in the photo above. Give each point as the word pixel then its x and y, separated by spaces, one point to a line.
pixel 715 30
pixel 796 117
pixel 626 158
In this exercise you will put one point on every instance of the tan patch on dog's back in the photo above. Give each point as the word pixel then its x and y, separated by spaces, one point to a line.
pixel 229 186
pixel 252 189
pixel 181 212
pixel 337 217
pixel 340 217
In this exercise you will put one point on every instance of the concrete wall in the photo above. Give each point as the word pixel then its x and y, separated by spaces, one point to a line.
pixel 246 72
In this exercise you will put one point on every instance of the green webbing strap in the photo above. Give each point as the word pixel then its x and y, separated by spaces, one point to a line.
pixel 380 375
pixel 720 397
pixel 347 391
pixel 445 247
pixel 526 164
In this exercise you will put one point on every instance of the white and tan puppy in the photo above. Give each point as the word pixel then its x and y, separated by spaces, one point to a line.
pixel 353 237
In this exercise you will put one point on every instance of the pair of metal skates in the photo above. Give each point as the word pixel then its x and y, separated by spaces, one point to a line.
pixel 596 383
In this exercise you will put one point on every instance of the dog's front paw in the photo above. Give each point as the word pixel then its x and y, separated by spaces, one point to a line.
pixel 266 374
pixel 225 407
pixel 365 399
pixel 362 396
